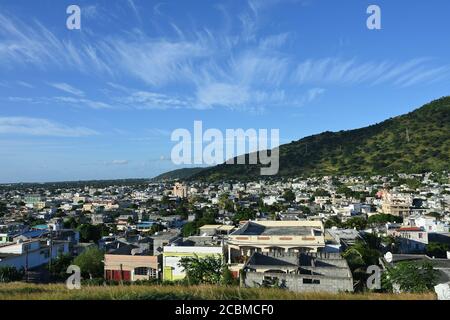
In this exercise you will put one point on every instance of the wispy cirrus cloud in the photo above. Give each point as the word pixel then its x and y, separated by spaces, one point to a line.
pixel 332 71
pixel 41 127
pixel 25 84
pixel 117 162
pixel 238 68
pixel 67 88
pixel 75 102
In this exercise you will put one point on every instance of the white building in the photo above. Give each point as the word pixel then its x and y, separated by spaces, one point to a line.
pixel 31 254
pixel 172 256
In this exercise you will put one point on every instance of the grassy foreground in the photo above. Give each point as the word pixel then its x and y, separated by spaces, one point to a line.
pixel 24 291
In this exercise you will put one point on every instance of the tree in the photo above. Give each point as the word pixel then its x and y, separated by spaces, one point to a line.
pixel 227 277
pixel 359 257
pixel 435 215
pixel 357 223
pixel 10 274
pixel 289 195
pixel 3 209
pixel 334 221
pixel 437 249
pixel 189 229
pixel 409 277
pixel 384 218
pixel 90 262
pixel 59 266
pixel 70 223
pixel 89 232
pixel 244 214
pixel 321 193
pixel 207 269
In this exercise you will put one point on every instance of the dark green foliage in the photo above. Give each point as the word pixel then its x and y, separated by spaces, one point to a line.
pixel 437 250
pixel 90 262
pixel 10 274
pixel 334 221
pixel 321 193
pixel 202 217
pixel 359 257
pixel 89 232
pixel 357 223
pixel 410 277
pixel 207 269
pixel 244 214
pixel 179 174
pixel 59 267
pixel 383 218
pixel 3 209
pixel 289 195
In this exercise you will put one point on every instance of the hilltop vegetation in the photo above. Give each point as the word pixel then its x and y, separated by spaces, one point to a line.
pixel 413 143
pixel 181 174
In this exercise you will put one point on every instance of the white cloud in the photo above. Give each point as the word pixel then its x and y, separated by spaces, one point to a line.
pixel 119 162
pixel 222 94
pixel 67 88
pixel 236 69
pixel 152 100
pixel 332 71
pixel 25 84
pixel 41 127
pixel 77 102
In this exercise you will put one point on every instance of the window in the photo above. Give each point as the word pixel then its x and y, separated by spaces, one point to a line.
pixel 141 271
pixel 45 253
pixel 311 281
pixel 152 272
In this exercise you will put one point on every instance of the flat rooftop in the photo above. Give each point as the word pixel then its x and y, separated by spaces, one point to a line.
pixel 255 229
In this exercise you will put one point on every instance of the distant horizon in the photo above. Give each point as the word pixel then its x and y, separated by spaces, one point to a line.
pixel 196 167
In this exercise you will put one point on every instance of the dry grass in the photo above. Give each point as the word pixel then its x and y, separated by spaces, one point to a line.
pixel 24 291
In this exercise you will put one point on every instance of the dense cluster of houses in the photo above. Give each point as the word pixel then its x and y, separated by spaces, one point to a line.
pixel 288 242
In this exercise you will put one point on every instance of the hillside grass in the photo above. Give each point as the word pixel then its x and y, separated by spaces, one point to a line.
pixel 25 291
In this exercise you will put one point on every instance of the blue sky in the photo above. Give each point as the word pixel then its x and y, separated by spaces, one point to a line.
pixel 101 102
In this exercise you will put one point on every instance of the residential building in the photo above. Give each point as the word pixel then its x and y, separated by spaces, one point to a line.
pixel 299 272
pixel 172 255
pixel 32 253
pixel 275 236
pixel 127 264
pixel 179 190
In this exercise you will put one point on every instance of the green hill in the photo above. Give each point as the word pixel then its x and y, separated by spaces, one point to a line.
pixel 179 174
pixel 412 143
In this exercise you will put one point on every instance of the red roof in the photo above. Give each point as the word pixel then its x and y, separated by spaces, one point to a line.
pixel 410 229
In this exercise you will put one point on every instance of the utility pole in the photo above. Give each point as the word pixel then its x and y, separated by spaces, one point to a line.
pixel 26 263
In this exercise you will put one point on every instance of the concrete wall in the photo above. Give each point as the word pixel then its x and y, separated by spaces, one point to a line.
pixel 294 282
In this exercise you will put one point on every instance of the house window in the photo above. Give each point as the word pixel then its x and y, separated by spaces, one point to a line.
pixel 152 273
pixel 141 271
pixel 45 253
pixel 311 281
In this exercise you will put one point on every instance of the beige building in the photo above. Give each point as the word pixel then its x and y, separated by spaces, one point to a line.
pixel 275 237
pixel 131 267
pixel 396 204
pixel 179 190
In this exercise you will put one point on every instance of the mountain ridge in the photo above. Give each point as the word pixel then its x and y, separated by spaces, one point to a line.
pixel 415 142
